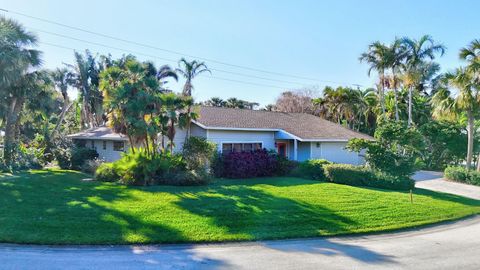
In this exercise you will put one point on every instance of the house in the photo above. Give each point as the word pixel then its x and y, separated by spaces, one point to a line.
pixel 296 136
pixel 109 145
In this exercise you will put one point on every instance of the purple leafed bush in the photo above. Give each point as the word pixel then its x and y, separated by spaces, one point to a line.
pixel 253 164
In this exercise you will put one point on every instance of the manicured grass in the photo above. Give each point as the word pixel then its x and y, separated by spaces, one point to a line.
pixel 57 207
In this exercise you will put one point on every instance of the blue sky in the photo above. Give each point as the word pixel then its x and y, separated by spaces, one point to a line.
pixel 311 39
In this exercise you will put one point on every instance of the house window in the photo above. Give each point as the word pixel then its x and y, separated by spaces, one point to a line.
pixel 226 148
pixel 104 145
pixel 118 146
pixel 240 147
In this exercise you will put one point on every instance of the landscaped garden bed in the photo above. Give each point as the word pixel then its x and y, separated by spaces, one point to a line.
pixel 57 207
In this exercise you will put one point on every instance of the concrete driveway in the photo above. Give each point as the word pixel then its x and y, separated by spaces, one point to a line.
pixel 448 246
pixel 435 181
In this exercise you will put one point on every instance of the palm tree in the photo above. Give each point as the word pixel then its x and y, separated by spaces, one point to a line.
pixel 163 73
pixel 395 56
pixel 417 52
pixel 62 78
pixel 16 60
pixel 190 70
pixel 467 102
pixel 471 54
pixel 215 102
pixel 377 58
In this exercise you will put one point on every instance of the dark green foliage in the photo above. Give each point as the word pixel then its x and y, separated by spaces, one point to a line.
pixel 311 169
pixel 444 143
pixel 79 155
pixel 363 176
pixel 462 175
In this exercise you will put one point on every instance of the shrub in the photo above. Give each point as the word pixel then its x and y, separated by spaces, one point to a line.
pixel 257 163
pixel 459 174
pixel 106 173
pixel 140 168
pixel 363 176
pixel 79 155
pixel 462 175
pixel 198 153
pixel 90 166
pixel 474 178
pixel 311 169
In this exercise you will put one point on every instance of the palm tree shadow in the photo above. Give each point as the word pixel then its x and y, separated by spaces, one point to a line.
pixel 256 214
pixel 326 247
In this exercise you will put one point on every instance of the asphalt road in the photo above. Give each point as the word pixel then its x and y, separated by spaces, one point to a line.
pixel 449 246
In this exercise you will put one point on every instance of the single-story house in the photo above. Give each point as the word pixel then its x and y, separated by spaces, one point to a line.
pixel 297 136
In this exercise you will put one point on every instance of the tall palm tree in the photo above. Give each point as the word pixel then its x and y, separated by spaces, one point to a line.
pixel 467 102
pixel 377 58
pixel 215 102
pixel 417 52
pixel 395 56
pixel 62 78
pixel 16 62
pixel 190 70
pixel 163 73
pixel 471 54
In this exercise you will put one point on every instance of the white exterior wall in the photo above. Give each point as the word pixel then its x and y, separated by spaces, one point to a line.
pixel 335 152
pixel 267 138
pixel 108 154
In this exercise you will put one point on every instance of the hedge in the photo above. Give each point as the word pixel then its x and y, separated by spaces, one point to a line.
pixel 462 175
pixel 362 176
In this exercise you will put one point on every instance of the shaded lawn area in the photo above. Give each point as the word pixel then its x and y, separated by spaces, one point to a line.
pixel 57 207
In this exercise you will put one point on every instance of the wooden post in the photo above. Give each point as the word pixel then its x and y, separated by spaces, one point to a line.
pixel 411 196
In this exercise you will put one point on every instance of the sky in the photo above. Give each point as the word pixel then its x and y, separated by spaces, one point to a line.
pixel 256 49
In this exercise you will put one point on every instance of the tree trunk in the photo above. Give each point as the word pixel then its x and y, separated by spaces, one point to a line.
pixel 395 95
pixel 470 127
pixel 382 93
pixel 66 107
pixel 410 100
pixel 478 162
pixel 14 109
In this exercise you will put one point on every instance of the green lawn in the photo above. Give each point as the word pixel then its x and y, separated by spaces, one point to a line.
pixel 57 207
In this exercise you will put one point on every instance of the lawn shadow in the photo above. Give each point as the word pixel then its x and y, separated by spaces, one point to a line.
pixel 256 214
pixel 49 203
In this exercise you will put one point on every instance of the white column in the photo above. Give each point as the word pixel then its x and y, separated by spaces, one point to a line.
pixel 295 149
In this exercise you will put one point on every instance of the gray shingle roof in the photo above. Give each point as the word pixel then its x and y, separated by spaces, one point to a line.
pixel 99 133
pixel 304 126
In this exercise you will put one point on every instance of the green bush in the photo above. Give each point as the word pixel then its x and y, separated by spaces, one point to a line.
pixel 198 153
pixel 140 168
pixel 311 169
pixel 79 155
pixel 90 166
pixel 106 173
pixel 459 174
pixel 462 175
pixel 363 176
pixel 474 178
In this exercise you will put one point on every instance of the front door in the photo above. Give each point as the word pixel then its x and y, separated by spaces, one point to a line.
pixel 282 149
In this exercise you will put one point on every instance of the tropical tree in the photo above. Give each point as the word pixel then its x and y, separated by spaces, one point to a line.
pixel 17 59
pixel 62 78
pixel 85 77
pixel 466 102
pixel 377 57
pixel 417 69
pixel 395 57
pixel 190 70
pixel 215 102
